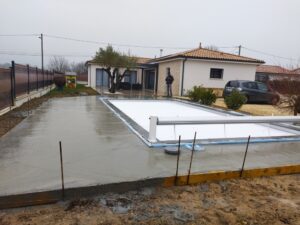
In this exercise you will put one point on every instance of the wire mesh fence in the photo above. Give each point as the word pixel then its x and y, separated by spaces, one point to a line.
pixel 20 80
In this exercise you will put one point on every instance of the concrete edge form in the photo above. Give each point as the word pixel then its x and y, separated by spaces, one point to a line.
pixel 197 178
pixel 49 197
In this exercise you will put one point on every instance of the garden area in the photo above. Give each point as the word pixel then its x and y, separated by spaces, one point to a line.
pixel 79 90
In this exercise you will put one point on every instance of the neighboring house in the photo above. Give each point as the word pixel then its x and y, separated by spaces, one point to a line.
pixel 297 71
pixel 264 73
pixel 209 68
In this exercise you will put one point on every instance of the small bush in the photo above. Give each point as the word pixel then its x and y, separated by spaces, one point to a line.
pixel 205 96
pixel 235 100
pixel 195 93
pixel 59 81
pixel 208 97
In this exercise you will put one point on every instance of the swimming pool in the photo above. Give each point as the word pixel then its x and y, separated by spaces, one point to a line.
pixel 136 114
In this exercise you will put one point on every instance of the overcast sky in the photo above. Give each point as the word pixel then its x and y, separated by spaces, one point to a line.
pixel 270 26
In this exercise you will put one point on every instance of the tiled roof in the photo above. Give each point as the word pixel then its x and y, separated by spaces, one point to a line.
pixel 273 70
pixel 142 60
pixel 203 53
pixel 297 71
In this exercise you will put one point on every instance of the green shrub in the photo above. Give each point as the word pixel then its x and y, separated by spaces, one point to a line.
pixel 195 93
pixel 205 96
pixel 208 97
pixel 59 81
pixel 235 100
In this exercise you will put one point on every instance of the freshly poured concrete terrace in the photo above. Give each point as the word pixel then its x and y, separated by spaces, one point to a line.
pixel 98 148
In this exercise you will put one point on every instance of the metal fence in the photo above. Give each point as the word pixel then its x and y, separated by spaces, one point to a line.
pixel 20 80
pixel 5 88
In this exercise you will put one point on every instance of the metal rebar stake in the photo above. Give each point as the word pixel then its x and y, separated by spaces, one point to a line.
pixel 178 154
pixel 62 171
pixel 192 155
pixel 245 155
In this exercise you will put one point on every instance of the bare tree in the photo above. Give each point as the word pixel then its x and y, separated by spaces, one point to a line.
pixel 79 68
pixel 59 64
pixel 5 65
pixel 289 91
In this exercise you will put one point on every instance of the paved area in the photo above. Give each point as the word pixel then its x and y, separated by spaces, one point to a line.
pixel 98 148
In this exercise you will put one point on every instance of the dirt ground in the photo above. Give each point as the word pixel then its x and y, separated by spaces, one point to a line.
pixel 267 200
pixel 14 117
pixel 257 109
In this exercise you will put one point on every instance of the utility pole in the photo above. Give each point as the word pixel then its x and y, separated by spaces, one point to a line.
pixel 42 51
pixel 42 55
pixel 240 49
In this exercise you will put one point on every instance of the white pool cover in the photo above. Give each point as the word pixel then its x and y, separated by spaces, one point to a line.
pixel 140 111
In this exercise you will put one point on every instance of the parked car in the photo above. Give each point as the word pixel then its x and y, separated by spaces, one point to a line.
pixel 253 90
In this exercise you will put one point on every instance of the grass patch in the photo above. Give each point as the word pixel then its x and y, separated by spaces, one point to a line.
pixel 68 92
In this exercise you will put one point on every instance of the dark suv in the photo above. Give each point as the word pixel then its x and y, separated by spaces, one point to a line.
pixel 254 91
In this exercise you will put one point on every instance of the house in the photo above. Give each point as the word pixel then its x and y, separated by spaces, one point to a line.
pixel 297 71
pixel 98 78
pixel 264 73
pixel 200 66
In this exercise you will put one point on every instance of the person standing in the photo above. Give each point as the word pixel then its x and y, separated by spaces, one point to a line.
pixel 169 81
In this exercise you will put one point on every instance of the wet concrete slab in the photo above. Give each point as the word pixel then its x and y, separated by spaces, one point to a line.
pixel 98 148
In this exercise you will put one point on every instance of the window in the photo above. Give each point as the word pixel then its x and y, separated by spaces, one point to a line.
pixel 261 77
pixel 216 73
pixel 250 85
pixel 233 84
pixel 262 87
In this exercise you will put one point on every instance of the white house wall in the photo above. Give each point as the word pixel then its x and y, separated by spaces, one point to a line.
pixel 197 73
pixel 92 74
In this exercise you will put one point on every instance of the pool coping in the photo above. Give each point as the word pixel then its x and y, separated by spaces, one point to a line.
pixel 143 134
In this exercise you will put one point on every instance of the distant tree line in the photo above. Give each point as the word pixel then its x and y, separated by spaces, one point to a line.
pixel 62 65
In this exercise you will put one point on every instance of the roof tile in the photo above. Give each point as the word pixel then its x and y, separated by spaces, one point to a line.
pixel 274 70
pixel 203 53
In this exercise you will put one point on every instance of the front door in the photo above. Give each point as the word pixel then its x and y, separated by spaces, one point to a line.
pixel 102 79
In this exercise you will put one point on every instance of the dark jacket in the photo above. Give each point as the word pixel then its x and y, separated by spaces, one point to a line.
pixel 169 79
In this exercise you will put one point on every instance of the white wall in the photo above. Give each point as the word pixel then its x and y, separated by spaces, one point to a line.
pixel 92 74
pixel 197 72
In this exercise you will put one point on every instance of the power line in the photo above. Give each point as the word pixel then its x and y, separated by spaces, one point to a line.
pixel 265 53
pixel 105 43
pixel 114 44
pixel 47 55
pixel 127 45
pixel 18 35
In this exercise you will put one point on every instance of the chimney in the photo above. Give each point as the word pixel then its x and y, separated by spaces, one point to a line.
pixel 200 45
pixel 161 52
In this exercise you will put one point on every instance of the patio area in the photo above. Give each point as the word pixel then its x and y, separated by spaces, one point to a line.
pixel 98 148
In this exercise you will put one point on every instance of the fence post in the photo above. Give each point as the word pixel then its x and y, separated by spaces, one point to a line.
pixel 43 78
pixel 37 78
pixel 192 155
pixel 177 164
pixel 28 80
pixel 13 83
pixel 245 155
pixel 62 171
